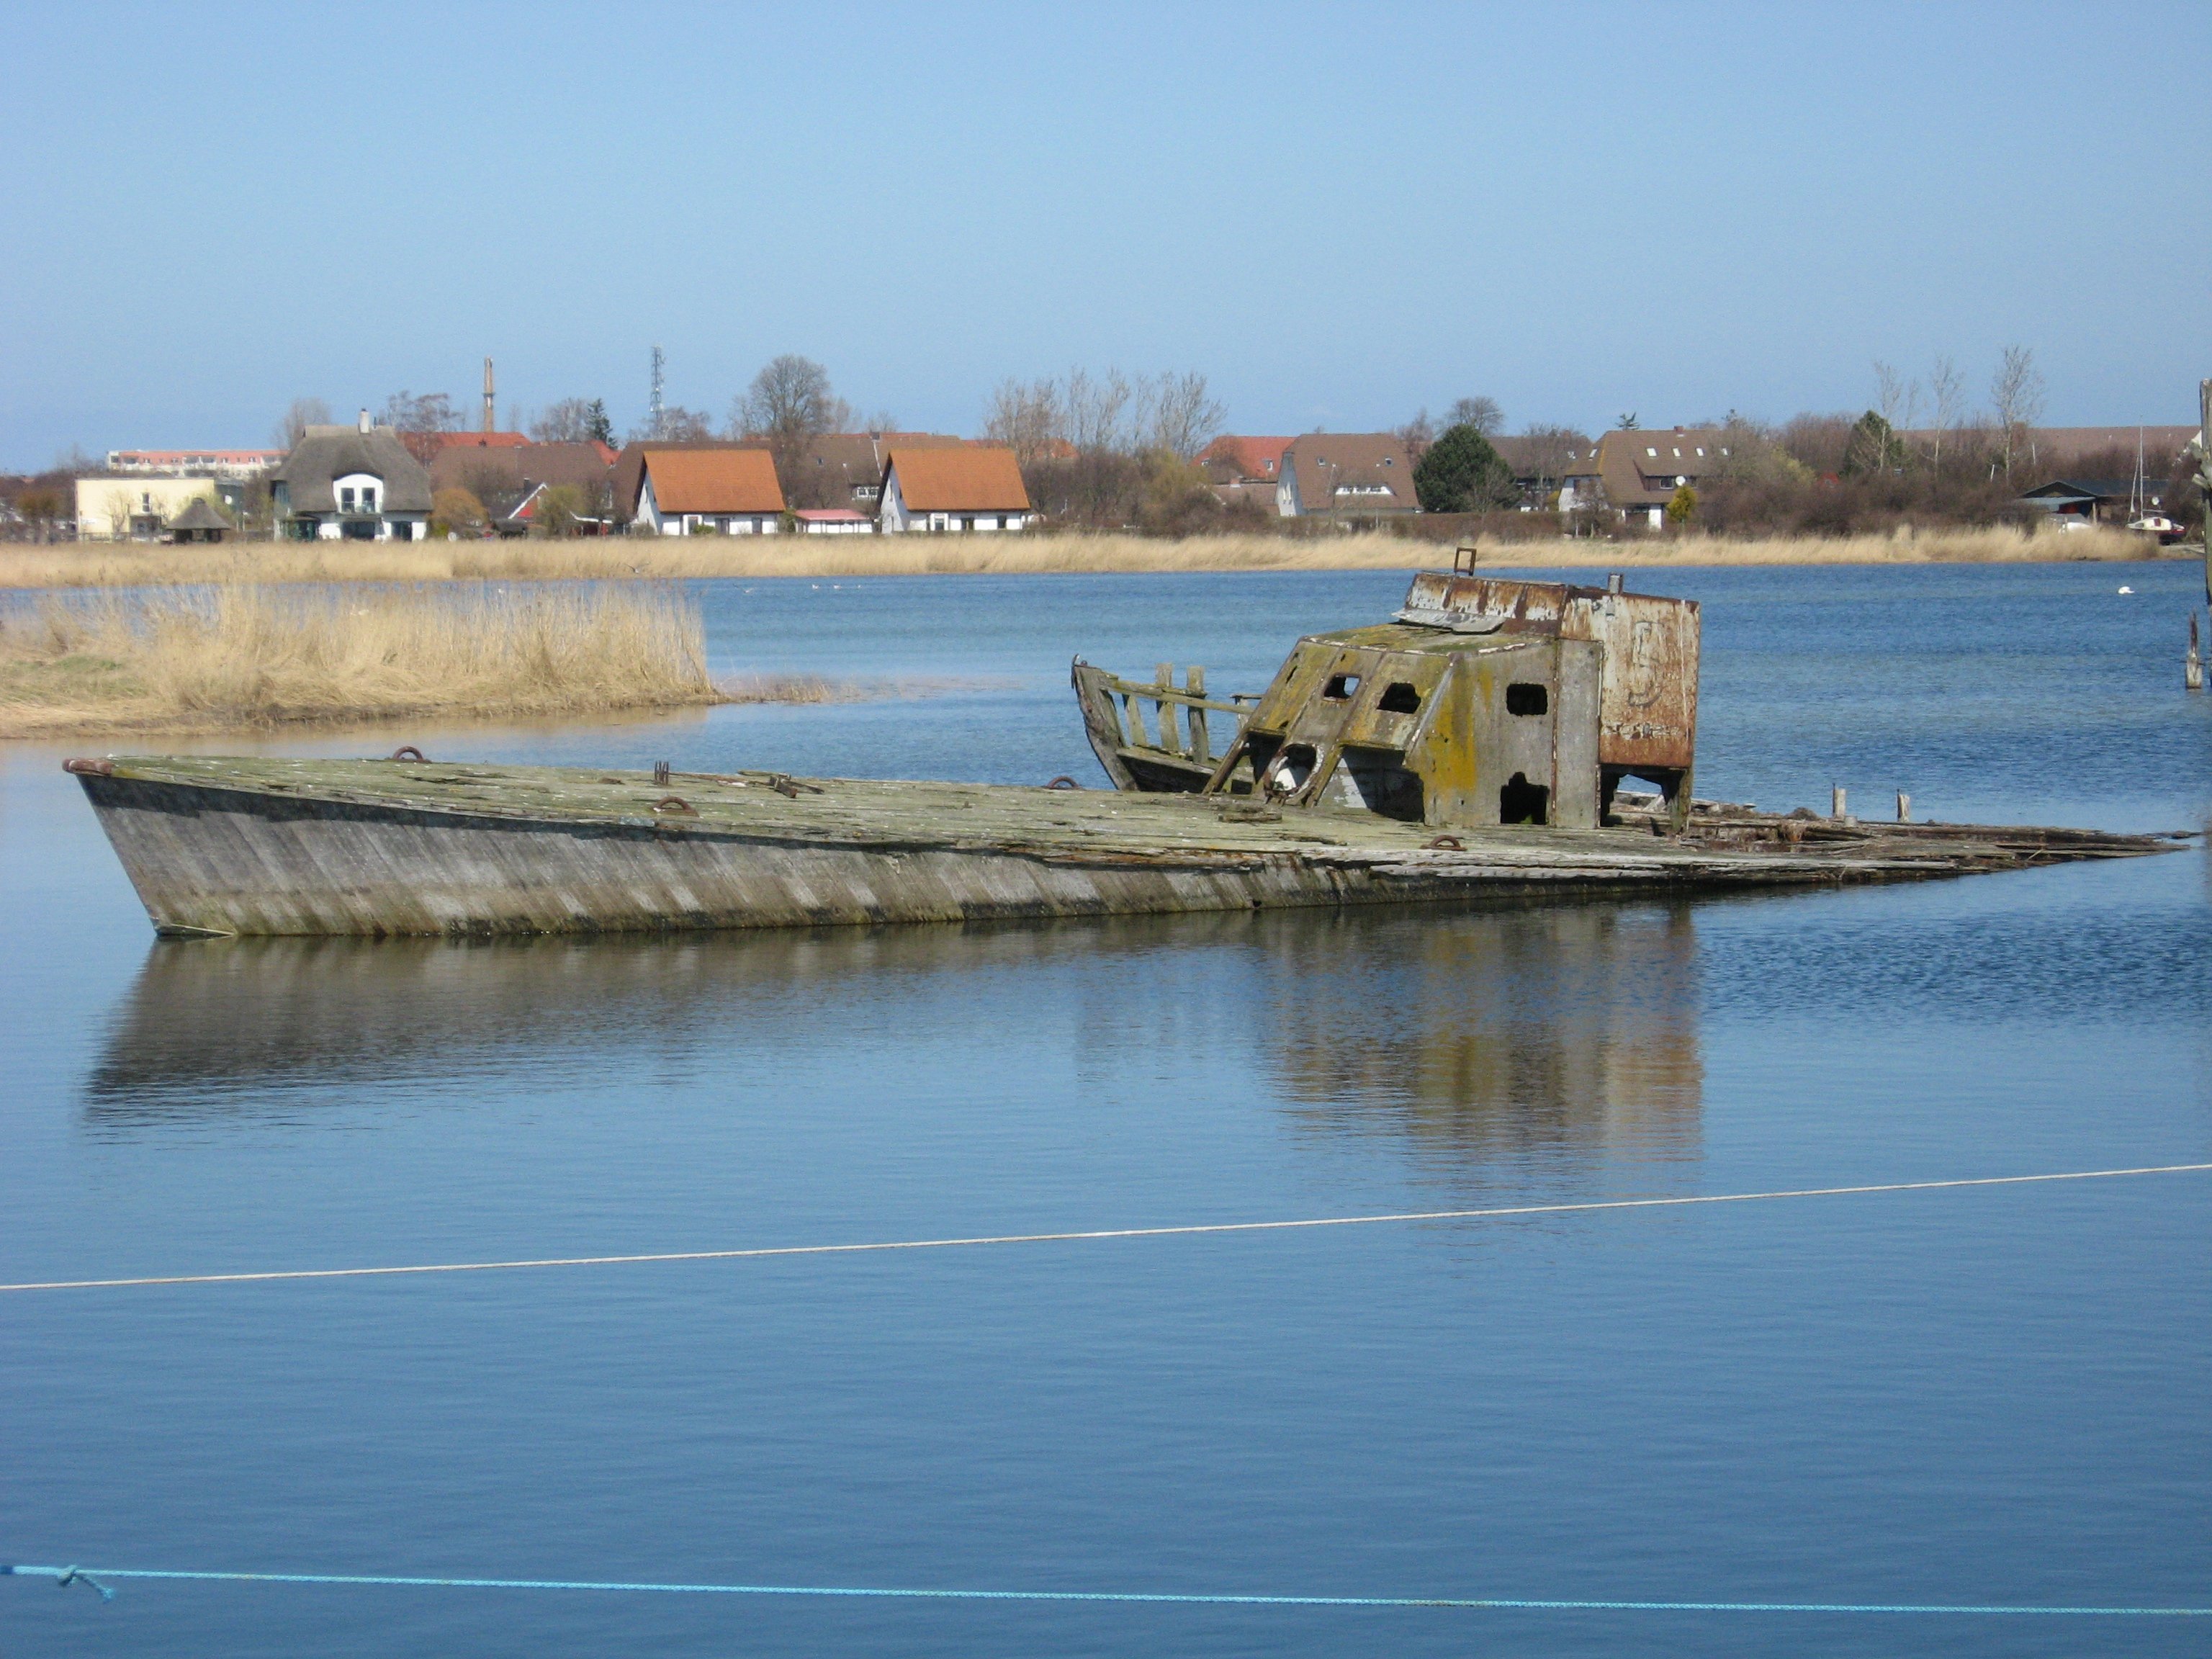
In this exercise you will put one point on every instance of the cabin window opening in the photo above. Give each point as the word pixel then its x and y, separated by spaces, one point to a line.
pixel 1288 774
pixel 1341 688
pixel 1399 697
pixel 1522 802
pixel 1524 698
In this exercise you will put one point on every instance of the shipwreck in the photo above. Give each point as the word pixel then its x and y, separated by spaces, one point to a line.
pixel 1477 745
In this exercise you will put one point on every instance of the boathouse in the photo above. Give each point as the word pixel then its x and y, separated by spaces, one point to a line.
pixel 198 522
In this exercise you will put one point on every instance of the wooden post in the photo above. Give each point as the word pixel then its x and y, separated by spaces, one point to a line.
pixel 1170 740
pixel 1135 712
pixel 1836 807
pixel 1904 807
pixel 2192 665
pixel 1201 740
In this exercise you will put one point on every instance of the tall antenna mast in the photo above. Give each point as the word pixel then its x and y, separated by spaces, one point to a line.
pixel 653 416
pixel 489 421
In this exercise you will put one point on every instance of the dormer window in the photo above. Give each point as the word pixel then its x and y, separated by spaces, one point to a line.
pixel 368 501
pixel 345 500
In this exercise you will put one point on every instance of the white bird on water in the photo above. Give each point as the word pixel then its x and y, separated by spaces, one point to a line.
pixel 2124 588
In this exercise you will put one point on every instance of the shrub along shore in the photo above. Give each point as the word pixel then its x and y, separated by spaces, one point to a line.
pixel 228 658
pixel 95 564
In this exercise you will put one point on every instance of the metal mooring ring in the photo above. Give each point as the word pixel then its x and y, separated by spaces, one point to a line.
pixel 1446 844
pixel 1063 782
pixel 408 751
pixel 675 804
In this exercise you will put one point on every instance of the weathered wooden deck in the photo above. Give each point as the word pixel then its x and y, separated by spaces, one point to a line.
pixel 217 845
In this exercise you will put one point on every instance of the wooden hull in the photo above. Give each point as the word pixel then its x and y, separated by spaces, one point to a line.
pixel 269 857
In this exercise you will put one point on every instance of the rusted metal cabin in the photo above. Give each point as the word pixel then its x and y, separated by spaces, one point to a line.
pixel 1414 723
pixel 1484 702
pixel 1648 686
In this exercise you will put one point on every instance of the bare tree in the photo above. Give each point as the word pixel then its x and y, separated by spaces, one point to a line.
pixel 1027 418
pixel 1182 416
pixel 1552 450
pixel 1417 434
pixel 572 420
pixel 433 411
pixel 120 508
pixel 679 425
pixel 1095 409
pixel 1483 414
pixel 1899 401
pixel 293 425
pixel 1947 389
pixel 789 401
pixel 419 419
pixel 2016 400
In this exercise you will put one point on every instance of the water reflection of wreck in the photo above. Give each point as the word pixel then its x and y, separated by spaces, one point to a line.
pixel 1484 1033
pixel 214 1027
pixel 1501 1034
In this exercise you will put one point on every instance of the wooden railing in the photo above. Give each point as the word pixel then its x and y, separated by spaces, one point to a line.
pixel 1187 734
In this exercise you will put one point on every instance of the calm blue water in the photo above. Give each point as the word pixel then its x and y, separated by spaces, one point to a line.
pixel 1991 1395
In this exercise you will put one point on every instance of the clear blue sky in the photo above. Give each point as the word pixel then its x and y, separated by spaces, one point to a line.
pixel 1338 213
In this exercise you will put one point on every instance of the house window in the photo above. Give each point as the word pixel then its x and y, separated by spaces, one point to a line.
pixel 865 492
pixel 345 500
pixel 1650 452
pixel 368 501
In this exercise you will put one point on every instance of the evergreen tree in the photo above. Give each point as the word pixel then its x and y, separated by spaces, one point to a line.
pixel 1461 473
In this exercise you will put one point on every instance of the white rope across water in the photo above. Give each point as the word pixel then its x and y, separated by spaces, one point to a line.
pixel 1094 1235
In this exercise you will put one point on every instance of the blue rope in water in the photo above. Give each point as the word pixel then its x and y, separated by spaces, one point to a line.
pixel 66 1576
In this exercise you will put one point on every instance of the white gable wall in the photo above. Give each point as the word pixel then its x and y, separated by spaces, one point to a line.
pixel 891 511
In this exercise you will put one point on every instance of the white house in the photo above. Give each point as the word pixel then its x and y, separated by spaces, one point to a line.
pixel 352 483
pixel 946 490
pixel 731 491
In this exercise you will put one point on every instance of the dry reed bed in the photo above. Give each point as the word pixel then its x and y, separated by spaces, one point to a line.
pixel 223 658
pixel 98 565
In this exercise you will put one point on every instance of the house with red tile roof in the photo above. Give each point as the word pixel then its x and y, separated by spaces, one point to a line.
pixel 1234 459
pixel 945 490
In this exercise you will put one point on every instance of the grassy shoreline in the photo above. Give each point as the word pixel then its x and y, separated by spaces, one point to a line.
pixel 72 565
pixel 242 658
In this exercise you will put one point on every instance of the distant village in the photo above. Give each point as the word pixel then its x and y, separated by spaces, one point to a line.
pixel 1087 455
